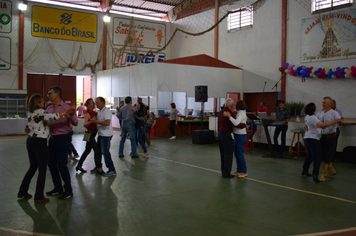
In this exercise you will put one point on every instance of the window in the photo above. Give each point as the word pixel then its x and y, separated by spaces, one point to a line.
pixel 322 5
pixel 241 19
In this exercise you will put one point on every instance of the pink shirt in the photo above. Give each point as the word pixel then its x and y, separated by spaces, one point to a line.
pixel 80 110
pixel 63 125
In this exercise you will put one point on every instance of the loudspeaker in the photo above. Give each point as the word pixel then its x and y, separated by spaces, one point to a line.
pixel 201 93
pixel 203 136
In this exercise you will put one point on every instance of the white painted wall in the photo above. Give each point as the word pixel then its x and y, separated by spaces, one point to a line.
pixel 258 51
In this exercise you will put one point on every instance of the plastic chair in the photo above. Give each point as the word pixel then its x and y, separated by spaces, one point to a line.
pixel 151 133
pixel 247 144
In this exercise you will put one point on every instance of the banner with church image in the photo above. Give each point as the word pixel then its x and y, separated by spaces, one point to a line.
pixel 329 37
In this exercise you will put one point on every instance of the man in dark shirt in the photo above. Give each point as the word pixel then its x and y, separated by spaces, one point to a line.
pixel 226 144
pixel 283 115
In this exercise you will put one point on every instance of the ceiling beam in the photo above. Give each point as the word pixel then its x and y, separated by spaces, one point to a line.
pixel 139 8
pixel 162 2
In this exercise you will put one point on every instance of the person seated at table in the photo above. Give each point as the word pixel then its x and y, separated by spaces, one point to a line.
pixel 262 107
pixel 251 127
pixel 150 124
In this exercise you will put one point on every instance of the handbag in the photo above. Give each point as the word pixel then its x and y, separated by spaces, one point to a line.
pixel 87 136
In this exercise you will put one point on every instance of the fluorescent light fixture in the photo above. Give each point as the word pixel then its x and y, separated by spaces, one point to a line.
pixel 136 15
pixel 22 7
pixel 106 18
pixel 66 5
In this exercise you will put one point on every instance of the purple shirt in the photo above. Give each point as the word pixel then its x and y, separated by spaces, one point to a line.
pixel 63 125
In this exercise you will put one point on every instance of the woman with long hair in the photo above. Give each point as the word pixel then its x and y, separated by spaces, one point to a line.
pixel 36 144
pixel 140 126
pixel 91 144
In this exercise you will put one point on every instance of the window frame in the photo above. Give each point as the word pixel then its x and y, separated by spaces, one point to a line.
pixel 314 10
pixel 239 15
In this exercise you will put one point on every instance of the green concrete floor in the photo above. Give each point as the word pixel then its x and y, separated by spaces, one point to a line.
pixel 178 190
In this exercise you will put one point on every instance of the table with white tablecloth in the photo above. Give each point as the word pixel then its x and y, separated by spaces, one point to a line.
pixel 14 126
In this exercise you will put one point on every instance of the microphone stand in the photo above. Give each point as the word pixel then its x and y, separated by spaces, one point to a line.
pixel 276 86
pixel 263 92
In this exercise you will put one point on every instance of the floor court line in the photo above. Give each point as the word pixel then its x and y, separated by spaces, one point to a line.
pixel 259 181
pixel 328 232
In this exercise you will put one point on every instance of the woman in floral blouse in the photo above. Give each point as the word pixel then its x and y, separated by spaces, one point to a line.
pixel 38 123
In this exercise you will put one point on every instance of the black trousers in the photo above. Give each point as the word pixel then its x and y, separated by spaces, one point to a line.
pixel 92 144
pixel 313 155
pixel 226 147
pixel 328 148
pixel 38 156
pixel 172 123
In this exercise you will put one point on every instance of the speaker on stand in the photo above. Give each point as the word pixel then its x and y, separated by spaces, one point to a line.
pixel 202 136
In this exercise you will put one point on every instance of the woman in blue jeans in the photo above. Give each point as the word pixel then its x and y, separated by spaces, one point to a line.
pixel 140 126
pixel 240 136
pixel 312 143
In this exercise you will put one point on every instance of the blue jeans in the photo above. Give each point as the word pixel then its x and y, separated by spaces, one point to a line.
pixel 104 145
pixel 128 127
pixel 279 129
pixel 147 127
pixel 313 147
pixel 140 131
pixel 239 144
pixel 58 147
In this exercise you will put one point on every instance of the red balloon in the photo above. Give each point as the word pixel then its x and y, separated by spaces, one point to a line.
pixel 353 68
pixel 311 68
pixel 319 74
pixel 339 74
pixel 353 73
pixel 322 72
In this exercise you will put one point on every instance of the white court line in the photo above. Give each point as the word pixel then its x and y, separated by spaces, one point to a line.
pixel 259 181
pixel 328 232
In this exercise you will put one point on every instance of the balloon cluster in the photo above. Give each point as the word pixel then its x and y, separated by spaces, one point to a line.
pixel 310 72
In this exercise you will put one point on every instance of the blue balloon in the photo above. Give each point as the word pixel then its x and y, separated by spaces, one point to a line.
pixel 287 64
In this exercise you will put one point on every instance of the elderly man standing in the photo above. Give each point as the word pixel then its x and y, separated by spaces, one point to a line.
pixel 226 144
pixel 126 114
pixel 105 133
pixel 333 106
pixel 328 139
pixel 58 144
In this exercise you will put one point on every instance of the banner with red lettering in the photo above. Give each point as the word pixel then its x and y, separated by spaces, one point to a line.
pixel 145 34
pixel 329 37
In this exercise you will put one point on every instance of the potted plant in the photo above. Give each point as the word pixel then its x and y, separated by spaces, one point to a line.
pixel 292 107
pixel 299 107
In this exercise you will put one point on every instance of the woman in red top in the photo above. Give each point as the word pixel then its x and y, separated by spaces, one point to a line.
pixel 262 107
pixel 91 144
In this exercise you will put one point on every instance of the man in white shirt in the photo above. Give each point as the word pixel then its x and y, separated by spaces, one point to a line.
pixel 328 139
pixel 105 132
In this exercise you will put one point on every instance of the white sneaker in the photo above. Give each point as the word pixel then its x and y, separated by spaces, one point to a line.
pixel 173 137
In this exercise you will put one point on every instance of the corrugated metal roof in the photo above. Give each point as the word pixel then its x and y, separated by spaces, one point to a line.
pixel 153 8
